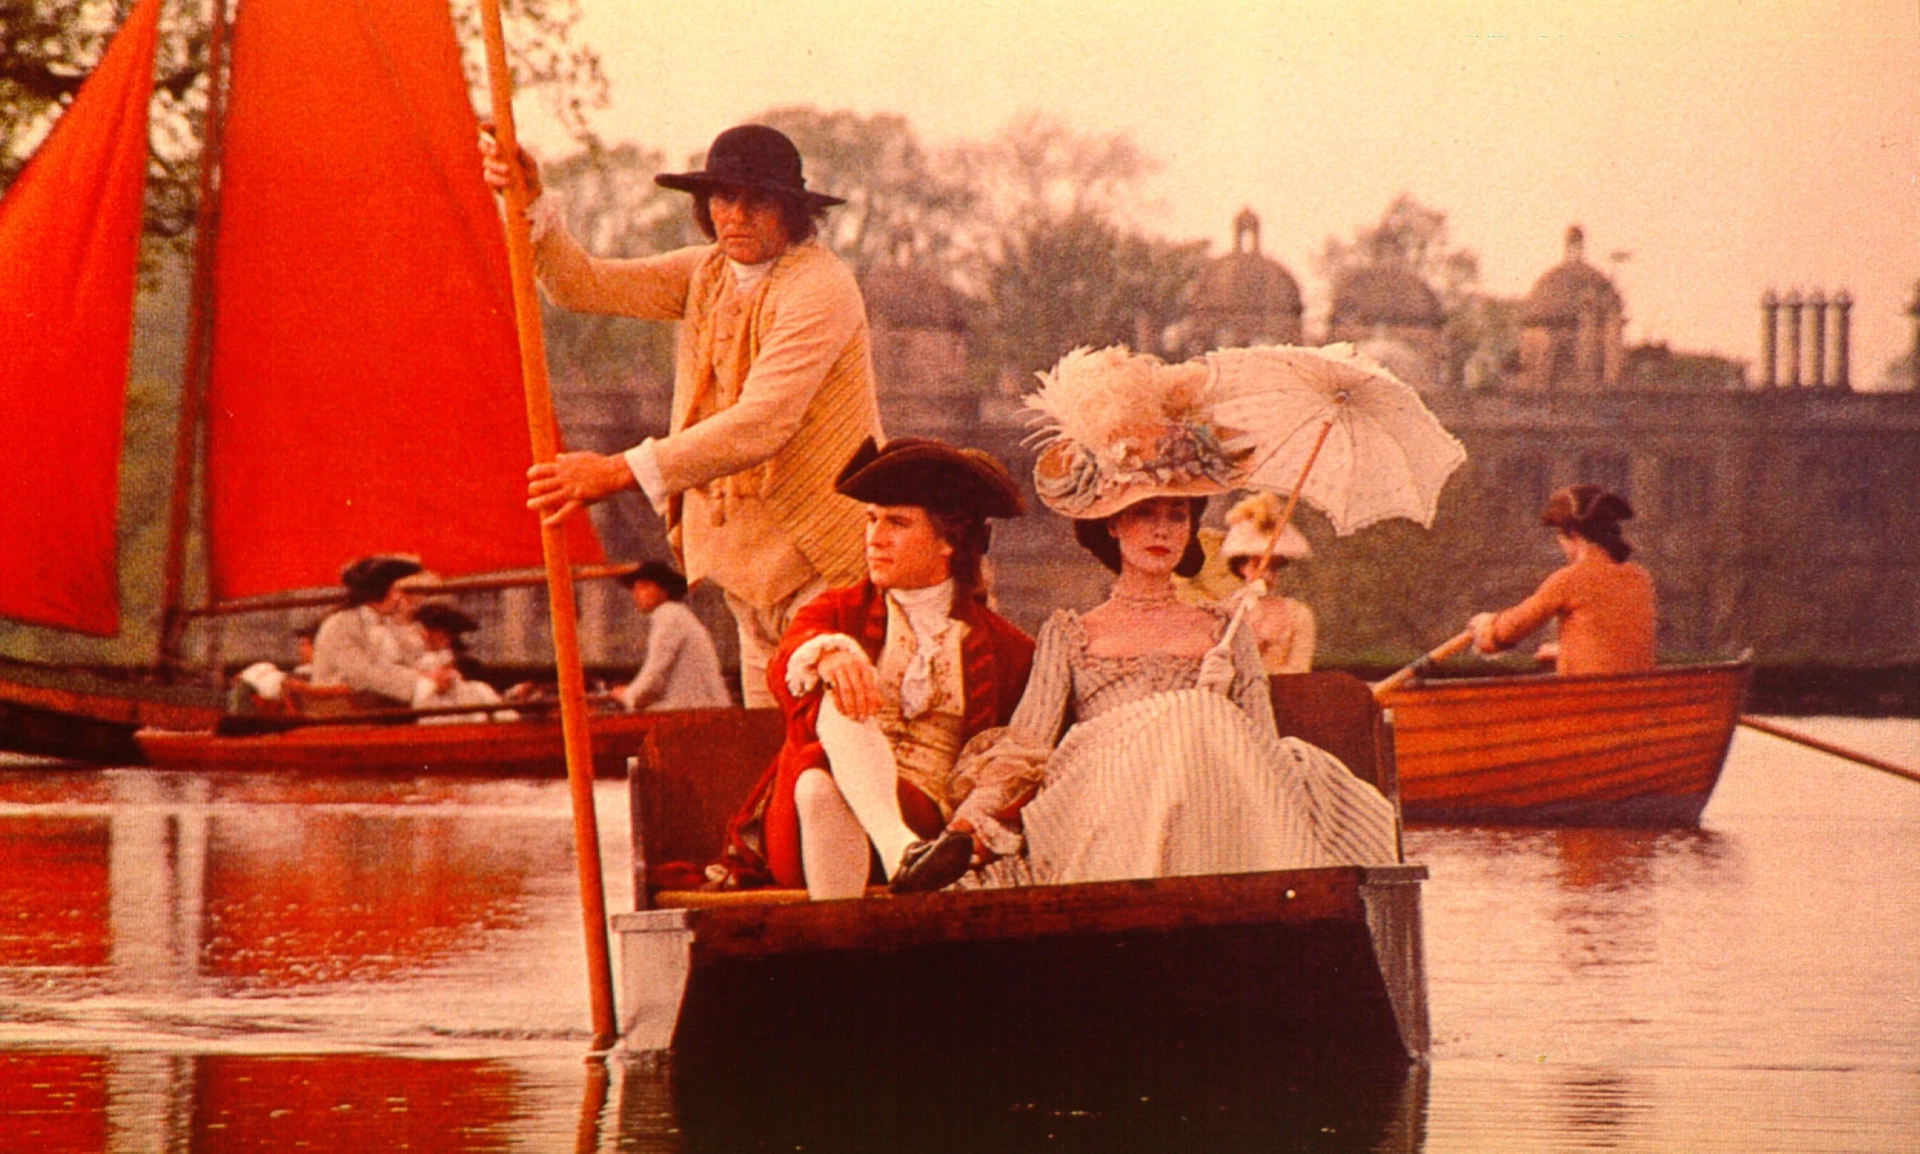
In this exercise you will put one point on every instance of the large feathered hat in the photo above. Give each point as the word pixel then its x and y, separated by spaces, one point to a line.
pixel 1117 427
pixel 1250 528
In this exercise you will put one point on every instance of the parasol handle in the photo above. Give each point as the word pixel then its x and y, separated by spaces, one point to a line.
pixel 1286 516
pixel 1406 673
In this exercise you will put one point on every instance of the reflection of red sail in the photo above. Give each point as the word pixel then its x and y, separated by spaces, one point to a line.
pixel 347 1102
pixel 346 897
pixel 54 893
pixel 53 1102
pixel 365 392
pixel 72 221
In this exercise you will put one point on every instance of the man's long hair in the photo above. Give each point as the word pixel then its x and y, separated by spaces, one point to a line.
pixel 969 535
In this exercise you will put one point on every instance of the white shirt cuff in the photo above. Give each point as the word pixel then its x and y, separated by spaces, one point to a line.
pixel 645 467
pixel 803 668
pixel 546 214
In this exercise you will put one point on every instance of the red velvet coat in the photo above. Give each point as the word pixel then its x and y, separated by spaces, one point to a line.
pixel 763 838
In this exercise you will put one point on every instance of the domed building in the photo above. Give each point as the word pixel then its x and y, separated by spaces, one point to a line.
pixel 1388 312
pixel 1241 298
pixel 919 353
pixel 1570 327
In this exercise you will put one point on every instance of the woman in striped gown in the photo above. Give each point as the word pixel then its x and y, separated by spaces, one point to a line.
pixel 1145 744
pixel 1148 749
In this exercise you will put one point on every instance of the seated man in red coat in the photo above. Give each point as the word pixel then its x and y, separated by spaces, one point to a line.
pixel 883 682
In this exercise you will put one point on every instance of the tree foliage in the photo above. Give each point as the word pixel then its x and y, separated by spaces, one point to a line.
pixel 51 46
pixel 1413 236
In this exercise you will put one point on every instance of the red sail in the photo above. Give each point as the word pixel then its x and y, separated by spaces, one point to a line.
pixel 70 232
pixel 365 393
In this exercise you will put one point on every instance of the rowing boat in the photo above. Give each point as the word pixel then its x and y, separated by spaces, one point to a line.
pixel 528 747
pixel 1642 749
pixel 1327 959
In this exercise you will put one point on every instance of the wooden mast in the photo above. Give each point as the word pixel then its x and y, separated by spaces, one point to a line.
pixel 193 376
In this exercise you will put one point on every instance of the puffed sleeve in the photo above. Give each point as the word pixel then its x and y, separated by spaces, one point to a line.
pixel 999 769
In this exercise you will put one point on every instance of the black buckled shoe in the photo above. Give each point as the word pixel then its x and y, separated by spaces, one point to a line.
pixel 934 864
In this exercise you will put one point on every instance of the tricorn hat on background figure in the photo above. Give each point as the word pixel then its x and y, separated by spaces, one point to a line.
pixel 931 474
pixel 368 579
pixel 658 573
pixel 445 618
pixel 751 156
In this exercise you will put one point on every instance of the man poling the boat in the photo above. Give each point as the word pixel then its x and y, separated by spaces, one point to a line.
pixel 773 384
pixel 1603 602
pixel 883 681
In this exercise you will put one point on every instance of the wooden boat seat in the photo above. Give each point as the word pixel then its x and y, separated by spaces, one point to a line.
pixel 691 772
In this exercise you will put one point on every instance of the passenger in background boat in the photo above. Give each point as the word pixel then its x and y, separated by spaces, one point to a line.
pixel 882 682
pixel 682 668
pixel 1603 602
pixel 371 646
pixel 443 629
pixel 773 385
pixel 1146 739
pixel 1283 626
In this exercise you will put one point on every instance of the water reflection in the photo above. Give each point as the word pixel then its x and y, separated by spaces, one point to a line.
pixel 216 962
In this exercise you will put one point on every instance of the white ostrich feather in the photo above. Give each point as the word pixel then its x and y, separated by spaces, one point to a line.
pixel 1097 399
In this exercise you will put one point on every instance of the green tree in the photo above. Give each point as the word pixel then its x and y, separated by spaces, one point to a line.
pixel 51 46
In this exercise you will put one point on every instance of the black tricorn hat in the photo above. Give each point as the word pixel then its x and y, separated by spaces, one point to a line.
pixel 751 156
pixel 931 474
pixel 369 578
pixel 656 573
pixel 445 618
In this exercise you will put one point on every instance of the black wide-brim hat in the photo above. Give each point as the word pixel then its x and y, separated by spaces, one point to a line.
pixel 933 475
pixel 751 156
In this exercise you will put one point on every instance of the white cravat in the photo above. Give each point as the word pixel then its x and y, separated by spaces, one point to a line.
pixel 926 611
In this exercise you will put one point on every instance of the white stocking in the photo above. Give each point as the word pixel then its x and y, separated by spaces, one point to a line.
pixel 833 847
pixel 864 769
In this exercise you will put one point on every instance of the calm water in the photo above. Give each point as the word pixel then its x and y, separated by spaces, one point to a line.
pixel 235 962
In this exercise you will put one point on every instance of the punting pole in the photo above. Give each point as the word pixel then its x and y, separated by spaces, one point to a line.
pixel 553 544
pixel 1812 742
pixel 1408 672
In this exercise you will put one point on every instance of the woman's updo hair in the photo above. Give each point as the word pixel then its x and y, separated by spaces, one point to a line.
pixel 1097 538
pixel 1592 513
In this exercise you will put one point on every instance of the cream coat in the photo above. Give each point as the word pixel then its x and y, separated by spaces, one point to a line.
pixel 773 391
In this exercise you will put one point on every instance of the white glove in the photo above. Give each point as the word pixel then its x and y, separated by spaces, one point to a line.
pixel 1216 670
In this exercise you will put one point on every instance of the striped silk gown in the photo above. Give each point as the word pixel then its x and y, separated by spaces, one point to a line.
pixel 1140 774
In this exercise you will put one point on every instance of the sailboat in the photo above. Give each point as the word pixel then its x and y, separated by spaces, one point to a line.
pixel 351 381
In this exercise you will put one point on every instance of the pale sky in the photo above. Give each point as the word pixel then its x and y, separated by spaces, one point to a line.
pixel 1729 147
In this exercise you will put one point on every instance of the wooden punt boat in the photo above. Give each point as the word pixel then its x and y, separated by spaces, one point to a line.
pixel 530 747
pixel 1328 960
pixel 1607 749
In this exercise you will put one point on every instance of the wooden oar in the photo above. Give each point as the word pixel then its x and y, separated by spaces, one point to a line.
pixel 1434 656
pixel 1812 742
pixel 553 544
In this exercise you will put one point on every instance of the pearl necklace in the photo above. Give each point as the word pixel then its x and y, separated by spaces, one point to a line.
pixel 1152 600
